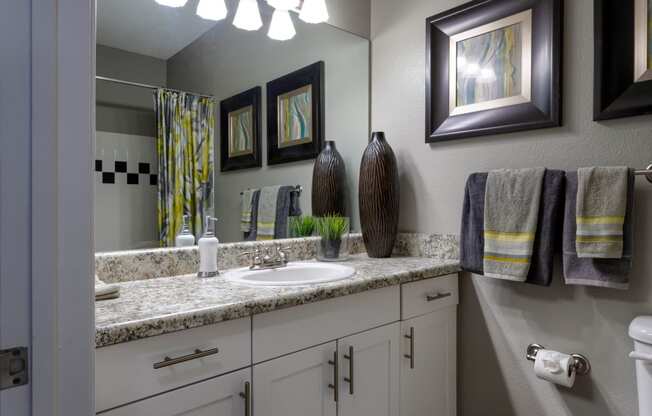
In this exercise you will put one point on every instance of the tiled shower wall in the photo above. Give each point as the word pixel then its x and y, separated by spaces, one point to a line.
pixel 125 192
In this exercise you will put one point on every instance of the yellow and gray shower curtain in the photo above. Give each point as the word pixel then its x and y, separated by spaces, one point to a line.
pixel 184 143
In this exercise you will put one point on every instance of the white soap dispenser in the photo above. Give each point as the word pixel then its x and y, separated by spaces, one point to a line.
pixel 208 250
pixel 185 237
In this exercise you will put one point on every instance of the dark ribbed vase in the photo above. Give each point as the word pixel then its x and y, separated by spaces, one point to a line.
pixel 379 197
pixel 329 183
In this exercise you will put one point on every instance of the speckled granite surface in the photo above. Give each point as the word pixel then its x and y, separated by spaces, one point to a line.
pixel 157 306
pixel 125 266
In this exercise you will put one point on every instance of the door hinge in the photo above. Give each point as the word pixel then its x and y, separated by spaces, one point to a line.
pixel 14 367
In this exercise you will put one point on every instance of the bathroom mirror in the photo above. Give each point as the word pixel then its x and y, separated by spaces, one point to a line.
pixel 192 113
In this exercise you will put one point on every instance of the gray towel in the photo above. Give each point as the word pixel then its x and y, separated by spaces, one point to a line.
pixel 610 273
pixel 267 205
pixel 105 291
pixel 511 213
pixel 546 241
pixel 287 206
pixel 253 232
pixel 601 205
pixel 246 210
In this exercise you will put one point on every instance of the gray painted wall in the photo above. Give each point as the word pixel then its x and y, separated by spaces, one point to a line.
pixel 226 61
pixel 121 108
pixel 499 319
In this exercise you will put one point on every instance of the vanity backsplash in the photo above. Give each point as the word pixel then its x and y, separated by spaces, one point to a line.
pixel 123 266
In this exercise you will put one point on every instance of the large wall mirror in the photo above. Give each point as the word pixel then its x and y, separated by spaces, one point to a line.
pixel 197 117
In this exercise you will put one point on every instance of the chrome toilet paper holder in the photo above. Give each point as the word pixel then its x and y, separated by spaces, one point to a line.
pixel 581 364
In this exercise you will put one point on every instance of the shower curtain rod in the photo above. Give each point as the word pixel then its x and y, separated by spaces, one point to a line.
pixel 151 87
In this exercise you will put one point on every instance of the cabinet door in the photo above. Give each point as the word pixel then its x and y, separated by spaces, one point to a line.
pixel 429 364
pixel 220 396
pixel 296 384
pixel 369 372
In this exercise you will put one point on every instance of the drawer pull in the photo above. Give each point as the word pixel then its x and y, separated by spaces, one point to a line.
pixel 431 298
pixel 349 379
pixel 246 396
pixel 167 361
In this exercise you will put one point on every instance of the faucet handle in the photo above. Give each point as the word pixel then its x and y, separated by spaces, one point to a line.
pixel 283 254
pixel 254 257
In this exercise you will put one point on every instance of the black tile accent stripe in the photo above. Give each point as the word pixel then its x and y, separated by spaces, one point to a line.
pixel 143 168
pixel 108 177
pixel 132 179
pixel 120 166
pixel 98 165
pixel 153 179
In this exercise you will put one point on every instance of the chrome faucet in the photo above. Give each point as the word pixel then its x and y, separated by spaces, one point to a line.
pixel 267 258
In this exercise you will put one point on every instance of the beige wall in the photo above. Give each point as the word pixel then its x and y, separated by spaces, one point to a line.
pixel 499 319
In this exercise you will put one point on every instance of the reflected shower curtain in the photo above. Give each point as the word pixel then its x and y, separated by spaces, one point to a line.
pixel 184 143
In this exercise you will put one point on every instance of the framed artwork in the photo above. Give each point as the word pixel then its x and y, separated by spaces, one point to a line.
pixel 623 59
pixel 480 72
pixel 240 131
pixel 295 115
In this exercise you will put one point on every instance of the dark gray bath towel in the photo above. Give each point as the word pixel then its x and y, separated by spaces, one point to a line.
pixel 610 273
pixel 253 233
pixel 547 236
pixel 287 206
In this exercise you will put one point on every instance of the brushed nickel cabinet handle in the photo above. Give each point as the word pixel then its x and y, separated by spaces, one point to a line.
pixel 349 379
pixel 430 298
pixel 411 354
pixel 246 396
pixel 336 377
pixel 167 361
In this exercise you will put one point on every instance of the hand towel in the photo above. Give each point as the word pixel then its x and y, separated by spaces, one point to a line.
pixel 287 206
pixel 267 204
pixel 546 240
pixel 253 232
pixel 511 211
pixel 246 204
pixel 601 206
pixel 104 291
pixel 600 272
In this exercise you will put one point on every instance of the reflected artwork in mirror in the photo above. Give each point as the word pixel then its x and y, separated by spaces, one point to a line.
pixel 198 117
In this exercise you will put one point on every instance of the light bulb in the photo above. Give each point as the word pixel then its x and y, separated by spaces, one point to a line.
pixel 281 27
pixel 314 11
pixel 172 3
pixel 284 4
pixel 247 17
pixel 211 9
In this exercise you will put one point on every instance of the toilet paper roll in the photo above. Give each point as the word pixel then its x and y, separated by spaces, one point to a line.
pixel 555 367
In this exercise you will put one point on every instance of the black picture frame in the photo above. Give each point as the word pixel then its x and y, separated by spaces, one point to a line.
pixel 544 108
pixel 616 94
pixel 312 75
pixel 252 97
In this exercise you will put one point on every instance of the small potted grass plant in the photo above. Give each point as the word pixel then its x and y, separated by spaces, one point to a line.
pixel 332 229
pixel 303 226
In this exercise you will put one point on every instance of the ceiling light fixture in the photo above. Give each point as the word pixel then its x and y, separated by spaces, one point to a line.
pixel 211 9
pixel 247 17
pixel 172 3
pixel 314 11
pixel 281 27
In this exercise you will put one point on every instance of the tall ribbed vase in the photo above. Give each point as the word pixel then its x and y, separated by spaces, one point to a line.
pixel 329 183
pixel 379 197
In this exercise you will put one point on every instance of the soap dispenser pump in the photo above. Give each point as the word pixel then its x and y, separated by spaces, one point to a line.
pixel 208 250
pixel 185 237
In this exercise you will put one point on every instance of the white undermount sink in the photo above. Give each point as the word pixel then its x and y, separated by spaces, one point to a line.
pixel 294 274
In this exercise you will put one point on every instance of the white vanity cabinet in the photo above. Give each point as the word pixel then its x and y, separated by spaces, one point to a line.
pixel 383 352
pixel 228 395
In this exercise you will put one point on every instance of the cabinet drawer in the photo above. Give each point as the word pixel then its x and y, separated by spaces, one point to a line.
pixel 428 295
pixel 126 372
pixel 284 331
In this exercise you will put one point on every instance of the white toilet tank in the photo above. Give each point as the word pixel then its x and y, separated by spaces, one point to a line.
pixel 640 330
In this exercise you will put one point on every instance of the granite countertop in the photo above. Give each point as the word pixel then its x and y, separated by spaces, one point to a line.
pixel 158 306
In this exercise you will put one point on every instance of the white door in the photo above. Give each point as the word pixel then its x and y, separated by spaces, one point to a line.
pixel 429 364
pixel 228 395
pixel 369 372
pixel 15 190
pixel 298 384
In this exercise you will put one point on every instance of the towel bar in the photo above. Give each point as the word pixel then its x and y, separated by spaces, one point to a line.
pixel 645 172
pixel 299 188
